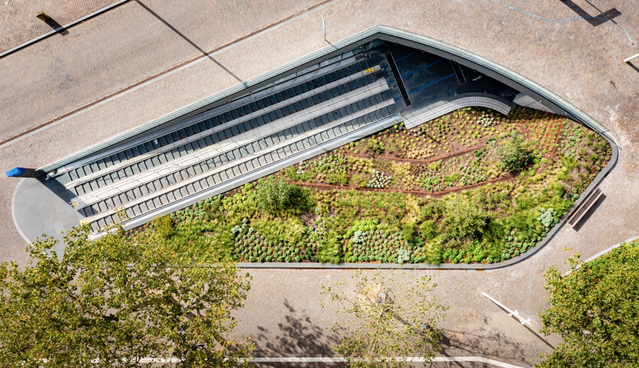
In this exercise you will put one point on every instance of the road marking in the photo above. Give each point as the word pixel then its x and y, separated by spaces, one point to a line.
pixel 493 362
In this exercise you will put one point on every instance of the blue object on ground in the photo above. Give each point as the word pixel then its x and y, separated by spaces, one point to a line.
pixel 16 172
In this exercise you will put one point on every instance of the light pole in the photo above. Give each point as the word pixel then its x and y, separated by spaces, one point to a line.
pixel 324 28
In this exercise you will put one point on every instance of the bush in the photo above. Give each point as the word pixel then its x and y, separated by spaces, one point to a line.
pixel 275 196
pixel 329 251
pixel 364 225
pixel 289 231
pixel 379 180
pixel 546 217
pixel 432 209
pixel 408 231
pixel 511 152
pixel 435 254
pixel 358 180
pixel 428 229
pixel 164 225
pixel 463 218
pixel 376 145
pixel 337 178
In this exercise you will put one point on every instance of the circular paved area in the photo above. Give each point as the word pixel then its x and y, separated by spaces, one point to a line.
pixel 578 61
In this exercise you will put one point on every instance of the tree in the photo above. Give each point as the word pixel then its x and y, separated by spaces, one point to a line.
pixel 511 152
pixel 111 302
pixel 386 319
pixel 595 310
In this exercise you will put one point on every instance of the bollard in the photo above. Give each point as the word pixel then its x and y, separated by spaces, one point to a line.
pixel 43 17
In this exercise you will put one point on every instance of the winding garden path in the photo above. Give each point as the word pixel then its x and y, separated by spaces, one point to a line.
pixel 112 52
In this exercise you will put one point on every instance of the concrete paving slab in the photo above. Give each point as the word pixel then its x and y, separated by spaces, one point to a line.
pixel 18 22
pixel 579 62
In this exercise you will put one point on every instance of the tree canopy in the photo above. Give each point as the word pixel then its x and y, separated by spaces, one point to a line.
pixel 386 319
pixel 595 309
pixel 114 301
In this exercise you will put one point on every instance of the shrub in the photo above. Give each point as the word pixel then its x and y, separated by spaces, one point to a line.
pixel 546 217
pixel 164 226
pixel 358 180
pixel 433 209
pixel 329 251
pixel 463 218
pixel 363 226
pixel 452 178
pixel 408 231
pixel 275 196
pixel 289 230
pixel 337 178
pixel 511 152
pixel 376 145
pixel 403 255
pixel 428 229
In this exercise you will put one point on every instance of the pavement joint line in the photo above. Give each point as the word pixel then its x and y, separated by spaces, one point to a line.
pixel 13 211
pixel 64 27
pixel 158 76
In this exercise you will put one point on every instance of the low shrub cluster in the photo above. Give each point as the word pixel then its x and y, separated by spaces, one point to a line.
pixel 253 246
pixel 381 246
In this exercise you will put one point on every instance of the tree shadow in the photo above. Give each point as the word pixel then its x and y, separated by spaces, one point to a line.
pixel 187 39
pixel 298 336
pixel 480 342
pixel 486 343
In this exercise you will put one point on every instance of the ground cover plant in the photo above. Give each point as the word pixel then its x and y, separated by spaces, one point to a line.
pixel 472 187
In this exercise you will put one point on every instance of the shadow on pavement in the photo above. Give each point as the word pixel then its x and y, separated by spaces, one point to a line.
pixel 186 39
pixel 589 213
pixel 298 336
pixel 595 20
pixel 633 66
pixel 57 27
pixel 539 337
pixel 482 343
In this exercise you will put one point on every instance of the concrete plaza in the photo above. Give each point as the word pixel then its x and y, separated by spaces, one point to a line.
pixel 144 59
